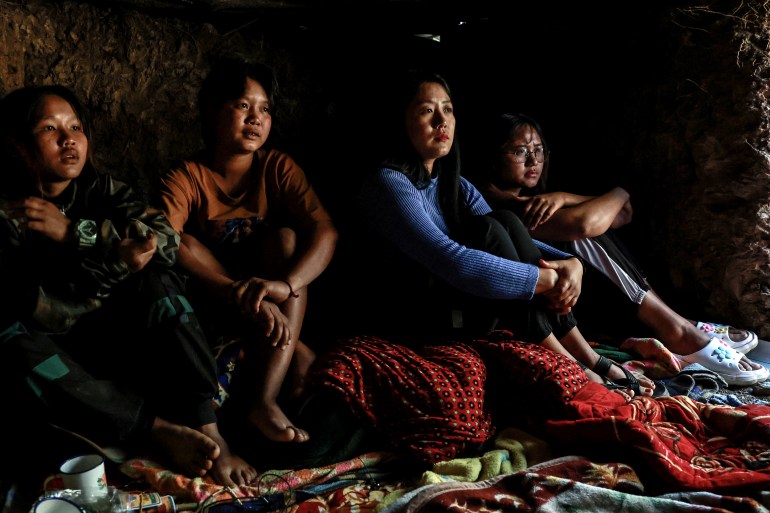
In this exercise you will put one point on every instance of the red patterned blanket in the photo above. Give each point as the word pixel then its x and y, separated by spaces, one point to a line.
pixel 437 403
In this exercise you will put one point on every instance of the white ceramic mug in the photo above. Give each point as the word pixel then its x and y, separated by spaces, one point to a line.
pixel 85 473
pixel 56 505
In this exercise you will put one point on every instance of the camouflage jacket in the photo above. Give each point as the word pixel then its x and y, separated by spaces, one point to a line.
pixel 47 285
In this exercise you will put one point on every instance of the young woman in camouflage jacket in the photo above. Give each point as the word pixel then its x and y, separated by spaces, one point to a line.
pixel 97 337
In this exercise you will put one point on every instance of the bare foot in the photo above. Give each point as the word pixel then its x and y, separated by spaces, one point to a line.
pixel 702 340
pixel 229 469
pixel 746 364
pixel 646 385
pixel 591 375
pixel 616 374
pixel 273 423
pixel 735 334
pixel 190 451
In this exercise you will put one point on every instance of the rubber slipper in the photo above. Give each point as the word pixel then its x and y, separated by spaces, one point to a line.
pixel 705 386
pixel 630 382
pixel 698 372
pixel 681 384
pixel 696 382
pixel 722 332
pixel 722 359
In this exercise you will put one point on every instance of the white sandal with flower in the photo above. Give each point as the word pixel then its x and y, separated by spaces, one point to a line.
pixel 722 332
pixel 722 359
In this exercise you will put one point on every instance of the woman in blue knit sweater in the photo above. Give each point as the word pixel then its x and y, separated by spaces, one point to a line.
pixel 444 251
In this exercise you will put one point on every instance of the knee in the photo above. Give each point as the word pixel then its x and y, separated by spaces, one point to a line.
pixel 282 245
pixel 485 229
pixel 507 219
pixel 287 242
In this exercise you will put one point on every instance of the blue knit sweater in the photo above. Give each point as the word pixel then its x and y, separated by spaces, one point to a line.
pixel 411 220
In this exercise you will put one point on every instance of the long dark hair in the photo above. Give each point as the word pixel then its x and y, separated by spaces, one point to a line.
pixel 500 132
pixel 19 113
pixel 399 153
pixel 226 81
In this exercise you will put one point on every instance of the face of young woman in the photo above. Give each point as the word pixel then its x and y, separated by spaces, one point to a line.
pixel 243 124
pixel 430 122
pixel 521 174
pixel 60 145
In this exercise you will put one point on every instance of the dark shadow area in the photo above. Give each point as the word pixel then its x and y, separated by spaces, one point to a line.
pixel 575 73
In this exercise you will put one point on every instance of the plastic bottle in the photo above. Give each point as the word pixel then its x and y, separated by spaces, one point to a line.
pixel 144 502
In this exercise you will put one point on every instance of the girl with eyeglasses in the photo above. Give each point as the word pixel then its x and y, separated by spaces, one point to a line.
pixel 517 164
pixel 448 259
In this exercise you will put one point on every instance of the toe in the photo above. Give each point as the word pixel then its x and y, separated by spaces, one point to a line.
pixel 300 435
pixel 737 334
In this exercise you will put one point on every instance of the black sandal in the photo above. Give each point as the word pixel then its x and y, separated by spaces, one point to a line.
pixel 630 382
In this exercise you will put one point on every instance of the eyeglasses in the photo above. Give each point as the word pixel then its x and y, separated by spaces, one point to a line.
pixel 521 154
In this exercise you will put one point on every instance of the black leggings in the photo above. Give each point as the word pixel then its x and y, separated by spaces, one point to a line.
pixel 502 233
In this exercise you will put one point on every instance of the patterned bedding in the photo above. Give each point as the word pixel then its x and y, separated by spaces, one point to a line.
pixel 441 409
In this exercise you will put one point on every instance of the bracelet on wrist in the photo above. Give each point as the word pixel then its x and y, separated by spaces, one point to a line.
pixel 581 260
pixel 291 290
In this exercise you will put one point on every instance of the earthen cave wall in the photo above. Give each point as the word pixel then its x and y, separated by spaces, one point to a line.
pixel 702 153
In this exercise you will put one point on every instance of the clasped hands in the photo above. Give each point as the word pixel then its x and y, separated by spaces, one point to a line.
pixel 560 283
pixel 258 300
